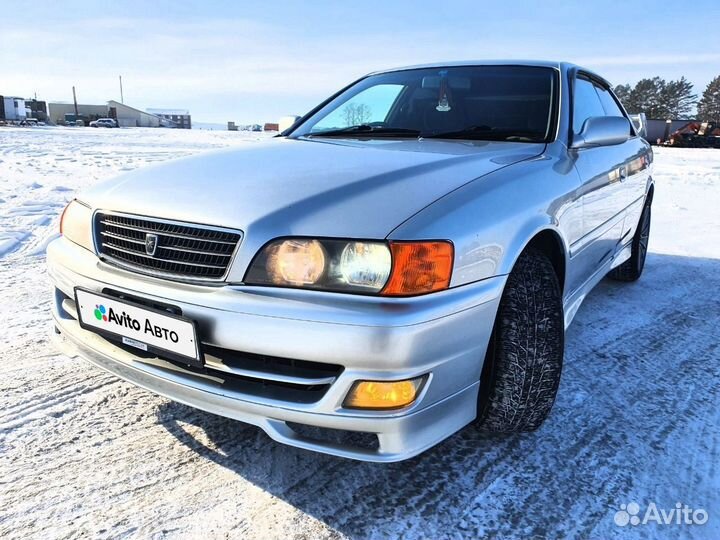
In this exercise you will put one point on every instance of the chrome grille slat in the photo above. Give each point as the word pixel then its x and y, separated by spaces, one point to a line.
pixel 174 235
pixel 181 244
pixel 125 238
pixel 267 376
pixel 138 254
pixel 199 252
pixel 183 251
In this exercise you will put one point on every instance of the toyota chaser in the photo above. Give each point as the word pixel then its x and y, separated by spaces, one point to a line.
pixel 401 262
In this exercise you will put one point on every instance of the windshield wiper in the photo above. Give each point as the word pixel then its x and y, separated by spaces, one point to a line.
pixel 365 129
pixel 486 133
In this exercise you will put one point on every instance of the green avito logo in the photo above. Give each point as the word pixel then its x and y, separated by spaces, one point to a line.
pixel 100 313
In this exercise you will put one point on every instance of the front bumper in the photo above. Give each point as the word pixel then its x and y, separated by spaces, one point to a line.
pixel 442 335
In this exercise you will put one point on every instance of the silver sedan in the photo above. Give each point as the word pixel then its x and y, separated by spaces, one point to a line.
pixel 404 260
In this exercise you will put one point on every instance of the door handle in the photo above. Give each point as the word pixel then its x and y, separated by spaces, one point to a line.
pixel 623 173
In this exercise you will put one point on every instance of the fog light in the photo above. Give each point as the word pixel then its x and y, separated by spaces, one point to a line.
pixel 383 395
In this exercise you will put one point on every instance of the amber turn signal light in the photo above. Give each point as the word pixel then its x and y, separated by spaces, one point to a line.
pixel 383 395
pixel 419 268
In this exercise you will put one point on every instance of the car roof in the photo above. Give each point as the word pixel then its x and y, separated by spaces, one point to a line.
pixel 561 66
pixel 456 63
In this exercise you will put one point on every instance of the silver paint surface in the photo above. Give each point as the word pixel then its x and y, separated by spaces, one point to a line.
pixel 489 198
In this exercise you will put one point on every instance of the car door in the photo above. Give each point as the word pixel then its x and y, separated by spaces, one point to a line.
pixel 634 176
pixel 602 171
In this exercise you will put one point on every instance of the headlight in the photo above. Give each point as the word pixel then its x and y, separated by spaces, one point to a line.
pixel 297 262
pixel 365 264
pixel 360 266
pixel 76 224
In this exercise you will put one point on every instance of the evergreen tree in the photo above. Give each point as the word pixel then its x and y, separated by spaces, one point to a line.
pixel 709 105
pixel 622 91
pixel 646 97
pixel 677 99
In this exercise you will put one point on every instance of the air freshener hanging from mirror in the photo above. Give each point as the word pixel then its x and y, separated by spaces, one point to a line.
pixel 443 102
pixel 443 105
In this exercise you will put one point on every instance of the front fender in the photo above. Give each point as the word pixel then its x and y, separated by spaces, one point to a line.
pixel 492 219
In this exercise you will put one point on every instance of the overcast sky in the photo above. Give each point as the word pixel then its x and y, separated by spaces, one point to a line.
pixel 255 61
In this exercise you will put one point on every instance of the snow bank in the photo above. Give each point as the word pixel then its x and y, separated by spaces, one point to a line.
pixel 636 420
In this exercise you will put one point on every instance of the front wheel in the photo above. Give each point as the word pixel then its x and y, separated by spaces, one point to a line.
pixel 523 363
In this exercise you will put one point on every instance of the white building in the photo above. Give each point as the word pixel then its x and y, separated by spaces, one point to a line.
pixel 127 116
pixel 177 118
pixel 12 108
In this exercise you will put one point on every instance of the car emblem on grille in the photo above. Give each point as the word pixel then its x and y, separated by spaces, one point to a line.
pixel 151 244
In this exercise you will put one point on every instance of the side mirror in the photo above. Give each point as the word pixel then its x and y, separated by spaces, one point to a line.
pixel 286 122
pixel 602 131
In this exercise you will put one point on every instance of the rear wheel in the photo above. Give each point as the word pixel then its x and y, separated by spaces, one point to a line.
pixel 522 367
pixel 632 269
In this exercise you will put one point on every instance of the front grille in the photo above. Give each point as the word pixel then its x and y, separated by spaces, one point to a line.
pixel 272 377
pixel 279 379
pixel 183 251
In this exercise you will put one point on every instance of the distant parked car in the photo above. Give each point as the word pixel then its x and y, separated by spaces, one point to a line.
pixel 104 122
pixel 405 260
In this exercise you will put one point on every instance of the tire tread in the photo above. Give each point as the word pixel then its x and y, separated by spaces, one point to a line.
pixel 524 361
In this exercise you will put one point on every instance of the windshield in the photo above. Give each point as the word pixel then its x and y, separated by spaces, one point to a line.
pixel 513 103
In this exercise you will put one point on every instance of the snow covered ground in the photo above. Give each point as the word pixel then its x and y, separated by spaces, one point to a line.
pixel 636 420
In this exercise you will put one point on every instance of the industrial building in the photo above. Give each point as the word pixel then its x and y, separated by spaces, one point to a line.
pixel 57 112
pixel 12 108
pixel 127 116
pixel 16 109
pixel 175 118
pixel 36 109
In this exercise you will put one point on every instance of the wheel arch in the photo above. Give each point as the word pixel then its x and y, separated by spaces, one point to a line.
pixel 650 194
pixel 548 240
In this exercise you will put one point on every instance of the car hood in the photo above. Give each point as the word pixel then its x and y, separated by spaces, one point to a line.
pixel 320 187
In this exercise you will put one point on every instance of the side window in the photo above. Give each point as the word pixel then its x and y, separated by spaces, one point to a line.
pixel 370 105
pixel 586 103
pixel 608 102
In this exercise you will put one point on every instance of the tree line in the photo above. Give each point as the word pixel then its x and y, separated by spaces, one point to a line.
pixel 661 99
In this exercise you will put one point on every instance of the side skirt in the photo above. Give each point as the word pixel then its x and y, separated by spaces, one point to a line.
pixel 574 301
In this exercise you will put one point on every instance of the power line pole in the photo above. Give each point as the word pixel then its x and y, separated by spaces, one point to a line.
pixel 121 92
pixel 75 102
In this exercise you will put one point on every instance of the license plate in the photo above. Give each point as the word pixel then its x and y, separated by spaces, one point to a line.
pixel 138 326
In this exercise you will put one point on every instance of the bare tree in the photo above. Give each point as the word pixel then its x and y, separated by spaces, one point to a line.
pixel 348 114
pixel 363 114
pixel 356 114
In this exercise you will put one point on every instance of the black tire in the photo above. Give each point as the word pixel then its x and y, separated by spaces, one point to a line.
pixel 521 374
pixel 632 269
